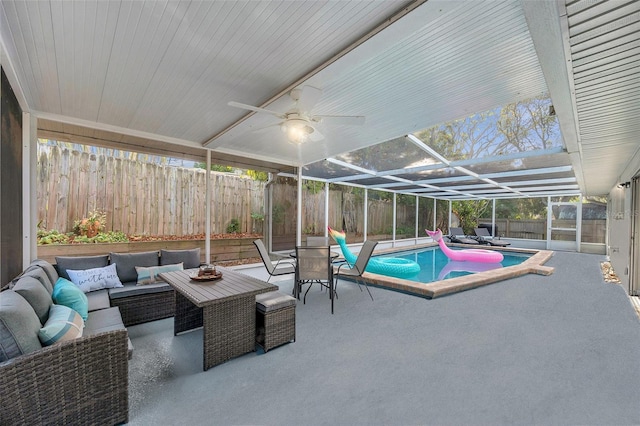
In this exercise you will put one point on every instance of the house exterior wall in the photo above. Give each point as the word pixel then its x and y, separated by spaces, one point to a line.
pixel 619 232
pixel 11 244
pixel 621 215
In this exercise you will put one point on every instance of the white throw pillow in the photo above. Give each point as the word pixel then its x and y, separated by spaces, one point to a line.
pixel 96 278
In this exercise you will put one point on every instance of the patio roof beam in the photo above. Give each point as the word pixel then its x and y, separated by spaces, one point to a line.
pixel 518 183
pixel 473 161
pixel 541 181
pixel 546 170
pixel 508 157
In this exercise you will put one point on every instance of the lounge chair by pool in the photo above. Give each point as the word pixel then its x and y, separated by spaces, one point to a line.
pixel 457 235
pixel 483 237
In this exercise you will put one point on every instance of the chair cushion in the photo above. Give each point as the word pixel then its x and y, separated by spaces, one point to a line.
pixel 189 258
pixel 19 326
pixel 63 324
pixel 96 278
pixel 40 275
pixel 68 294
pixel 37 296
pixel 271 301
pixel 126 263
pixel 47 268
pixel 104 320
pixel 98 300
pixel 150 275
pixel 79 263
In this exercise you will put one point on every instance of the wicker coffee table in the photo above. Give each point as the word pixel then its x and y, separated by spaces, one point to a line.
pixel 225 308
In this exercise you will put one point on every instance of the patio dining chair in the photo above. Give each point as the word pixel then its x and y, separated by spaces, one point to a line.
pixel 314 266
pixel 317 241
pixel 283 265
pixel 356 270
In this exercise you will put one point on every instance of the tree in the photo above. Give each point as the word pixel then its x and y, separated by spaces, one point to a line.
pixel 469 212
pixel 522 126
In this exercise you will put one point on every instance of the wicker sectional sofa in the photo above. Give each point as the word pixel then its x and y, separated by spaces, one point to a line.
pixel 83 380
pixel 137 304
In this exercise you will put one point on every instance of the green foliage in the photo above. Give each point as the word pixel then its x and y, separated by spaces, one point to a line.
pixel 278 213
pixel 51 237
pixel 405 200
pixel 259 217
pixel 405 230
pixel 258 175
pixel 469 212
pixel 521 208
pixel 55 237
pixel 103 237
pixel 313 186
pixel 233 227
pixel 90 225
pixel 215 167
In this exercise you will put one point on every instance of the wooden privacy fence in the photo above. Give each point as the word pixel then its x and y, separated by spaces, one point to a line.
pixel 346 211
pixel 139 197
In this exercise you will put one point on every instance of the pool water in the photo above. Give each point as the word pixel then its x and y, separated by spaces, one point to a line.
pixel 436 266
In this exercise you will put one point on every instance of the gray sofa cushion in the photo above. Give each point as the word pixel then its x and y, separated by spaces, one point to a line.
pixel 48 268
pixel 188 258
pixel 79 263
pixel 40 275
pixel 132 289
pixel 98 299
pixel 19 326
pixel 126 263
pixel 37 296
pixel 105 320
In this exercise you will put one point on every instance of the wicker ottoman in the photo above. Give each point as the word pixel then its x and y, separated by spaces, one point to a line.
pixel 275 319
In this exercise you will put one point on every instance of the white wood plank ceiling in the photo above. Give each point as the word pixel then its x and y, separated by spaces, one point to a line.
pixel 165 71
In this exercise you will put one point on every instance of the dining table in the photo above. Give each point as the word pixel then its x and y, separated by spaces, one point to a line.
pixel 224 306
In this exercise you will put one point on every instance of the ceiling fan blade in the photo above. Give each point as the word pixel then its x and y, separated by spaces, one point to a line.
pixel 340 120
pixel 308 97
pixel 256 109
pixel 261 129
pixel 316 136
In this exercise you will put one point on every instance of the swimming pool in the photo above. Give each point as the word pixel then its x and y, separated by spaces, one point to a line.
pixel 436 266
pixel 431 282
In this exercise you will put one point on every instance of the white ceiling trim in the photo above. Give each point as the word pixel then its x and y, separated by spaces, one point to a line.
pixel 115 129
pixel 549 31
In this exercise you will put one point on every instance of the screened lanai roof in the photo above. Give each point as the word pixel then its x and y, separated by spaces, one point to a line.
pixel 534 173
pixel 487 155
pixel 158 75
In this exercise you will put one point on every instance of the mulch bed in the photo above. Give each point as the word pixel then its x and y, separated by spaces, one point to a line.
pixel 193 237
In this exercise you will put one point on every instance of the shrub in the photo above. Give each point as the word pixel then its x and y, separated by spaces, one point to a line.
pixel 233 227
pixel 91 225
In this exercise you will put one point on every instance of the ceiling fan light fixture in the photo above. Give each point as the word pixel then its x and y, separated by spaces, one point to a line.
pixel 297 131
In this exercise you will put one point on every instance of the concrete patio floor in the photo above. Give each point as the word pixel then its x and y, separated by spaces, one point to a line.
pixel 558 349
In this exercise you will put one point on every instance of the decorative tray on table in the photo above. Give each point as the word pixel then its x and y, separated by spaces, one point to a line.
pixel 206 273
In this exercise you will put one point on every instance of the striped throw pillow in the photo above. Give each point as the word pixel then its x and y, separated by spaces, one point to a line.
pixel 63 324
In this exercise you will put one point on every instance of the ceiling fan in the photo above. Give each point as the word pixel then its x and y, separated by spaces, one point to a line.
pixel 298 123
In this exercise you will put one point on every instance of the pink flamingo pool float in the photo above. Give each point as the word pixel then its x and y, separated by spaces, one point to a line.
pixel 470 255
